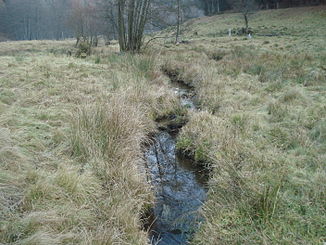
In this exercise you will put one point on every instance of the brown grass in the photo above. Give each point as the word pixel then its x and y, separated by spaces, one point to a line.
pixel 72 131
pixel 260 128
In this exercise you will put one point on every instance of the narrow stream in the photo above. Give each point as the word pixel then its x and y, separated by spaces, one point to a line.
pixel 179 186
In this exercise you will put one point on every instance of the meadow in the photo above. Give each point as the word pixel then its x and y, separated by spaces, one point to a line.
pixel 73 132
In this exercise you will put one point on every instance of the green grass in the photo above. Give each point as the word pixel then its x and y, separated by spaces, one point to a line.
pixel 72 133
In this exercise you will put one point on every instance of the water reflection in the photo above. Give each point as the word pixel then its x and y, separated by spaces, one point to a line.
pixel 179 190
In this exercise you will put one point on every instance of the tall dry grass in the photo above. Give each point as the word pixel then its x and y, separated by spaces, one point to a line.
pixel 260 131
pixel 72 133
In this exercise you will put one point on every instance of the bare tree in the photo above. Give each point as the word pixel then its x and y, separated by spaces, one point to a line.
pixel 35 19
pixel 83 21
pixel 246 8
pixel 132 17
pixel 178 21
pixel 108 15
pixel 213 6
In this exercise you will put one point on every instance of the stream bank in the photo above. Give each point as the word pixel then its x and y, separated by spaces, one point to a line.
pixel 179 185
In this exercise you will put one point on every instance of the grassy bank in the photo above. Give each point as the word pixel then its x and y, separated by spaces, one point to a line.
pixel 261 128
pixel 71 133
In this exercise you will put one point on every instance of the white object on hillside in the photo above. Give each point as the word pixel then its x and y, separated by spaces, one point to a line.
pixel 249 35
pixel 230 32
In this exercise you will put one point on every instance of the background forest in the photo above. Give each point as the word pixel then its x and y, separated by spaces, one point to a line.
pixel 60 19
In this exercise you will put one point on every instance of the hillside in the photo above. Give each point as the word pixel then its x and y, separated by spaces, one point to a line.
pixel 73 133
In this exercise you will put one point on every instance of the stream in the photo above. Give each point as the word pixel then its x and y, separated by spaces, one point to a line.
pixel 179 186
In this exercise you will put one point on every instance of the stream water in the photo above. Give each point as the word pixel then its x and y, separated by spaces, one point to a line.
pixel 179 186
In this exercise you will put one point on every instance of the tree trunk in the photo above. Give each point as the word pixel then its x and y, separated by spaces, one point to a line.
pixel 131 27
pixel 121 25
pixel 246 21
pixel 178 22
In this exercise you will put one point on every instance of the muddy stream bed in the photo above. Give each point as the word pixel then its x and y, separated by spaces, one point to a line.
pixel 180 187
